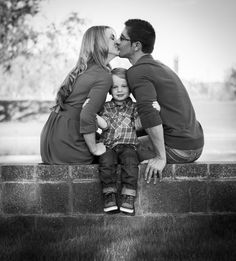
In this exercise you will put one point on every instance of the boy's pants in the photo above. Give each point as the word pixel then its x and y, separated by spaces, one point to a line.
pixel 126 156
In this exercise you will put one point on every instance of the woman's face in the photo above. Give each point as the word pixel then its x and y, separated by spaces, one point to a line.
pixel 113 48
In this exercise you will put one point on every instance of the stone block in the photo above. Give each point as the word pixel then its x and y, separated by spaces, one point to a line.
pixel 55 198
pixel 165 197
pixel 84 172
pixel 222 196
pixel 52 172
pixel 1 185
pixel 138 209
pixel 87 197
pixel 20 198
pixel 222 170
pixel 168 171
pixel 198 196
pixel 17 172
pixel 191 170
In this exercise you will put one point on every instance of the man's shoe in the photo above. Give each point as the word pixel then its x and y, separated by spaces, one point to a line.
pixel 110 202
pixel 127 204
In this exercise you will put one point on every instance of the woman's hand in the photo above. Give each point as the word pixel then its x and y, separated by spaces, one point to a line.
pixel 86 101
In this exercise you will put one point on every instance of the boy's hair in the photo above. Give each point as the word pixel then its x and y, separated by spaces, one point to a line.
pixel 120 72
pixel 143 32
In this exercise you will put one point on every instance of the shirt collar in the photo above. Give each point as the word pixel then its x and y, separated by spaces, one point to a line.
pixel 144 58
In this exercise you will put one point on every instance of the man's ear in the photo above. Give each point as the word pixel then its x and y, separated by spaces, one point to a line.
pixel 138 46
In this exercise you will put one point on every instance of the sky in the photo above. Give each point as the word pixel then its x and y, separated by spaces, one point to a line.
pixel 201 33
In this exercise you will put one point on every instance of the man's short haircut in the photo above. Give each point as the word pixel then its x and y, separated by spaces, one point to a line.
pixel 141 31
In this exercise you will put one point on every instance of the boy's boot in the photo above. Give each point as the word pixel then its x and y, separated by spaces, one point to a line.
pixel 127 204
pixel 110 202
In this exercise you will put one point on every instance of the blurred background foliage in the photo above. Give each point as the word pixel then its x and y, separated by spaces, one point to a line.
pixel 34 62
pixel 16 34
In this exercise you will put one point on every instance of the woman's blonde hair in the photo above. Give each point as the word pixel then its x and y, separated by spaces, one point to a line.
pixel 94 49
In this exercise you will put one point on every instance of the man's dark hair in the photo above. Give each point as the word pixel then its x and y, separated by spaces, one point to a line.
pixel 143 32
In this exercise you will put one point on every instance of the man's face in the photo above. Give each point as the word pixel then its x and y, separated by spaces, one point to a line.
pixel 124 44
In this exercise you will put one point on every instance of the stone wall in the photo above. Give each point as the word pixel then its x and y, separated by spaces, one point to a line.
pixel 38 189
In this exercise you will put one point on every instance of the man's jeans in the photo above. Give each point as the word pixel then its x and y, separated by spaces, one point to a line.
pixel 146 151
pixel 126 156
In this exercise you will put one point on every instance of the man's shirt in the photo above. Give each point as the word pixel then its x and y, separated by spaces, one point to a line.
pixel 150 81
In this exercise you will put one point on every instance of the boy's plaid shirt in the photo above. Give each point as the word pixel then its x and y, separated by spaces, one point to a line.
pixel 121 123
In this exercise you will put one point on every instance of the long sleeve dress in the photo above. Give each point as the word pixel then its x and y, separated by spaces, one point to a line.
pixel 62 140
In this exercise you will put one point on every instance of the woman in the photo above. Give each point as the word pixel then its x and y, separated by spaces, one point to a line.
pixel 69 134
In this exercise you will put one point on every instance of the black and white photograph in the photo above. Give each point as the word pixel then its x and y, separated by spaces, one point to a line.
pixel 117 130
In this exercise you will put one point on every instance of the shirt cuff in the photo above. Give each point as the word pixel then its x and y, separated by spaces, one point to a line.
pixel 151 120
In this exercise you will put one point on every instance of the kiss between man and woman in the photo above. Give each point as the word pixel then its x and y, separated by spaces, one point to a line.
pixel 163 111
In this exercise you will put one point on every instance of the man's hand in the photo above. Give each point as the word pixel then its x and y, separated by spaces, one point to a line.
pixel 154 167
pixel 100 149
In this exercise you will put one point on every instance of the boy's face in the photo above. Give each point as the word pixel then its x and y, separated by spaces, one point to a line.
pixel 120 89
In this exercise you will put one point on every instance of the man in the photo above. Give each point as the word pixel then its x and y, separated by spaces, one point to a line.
pixel 175 134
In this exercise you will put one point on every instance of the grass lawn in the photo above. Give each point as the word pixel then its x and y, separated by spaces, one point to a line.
pixel 119 238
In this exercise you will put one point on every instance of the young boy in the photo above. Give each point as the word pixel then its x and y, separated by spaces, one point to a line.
pixel 117 122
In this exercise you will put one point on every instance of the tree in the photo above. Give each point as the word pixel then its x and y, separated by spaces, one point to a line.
pixel 55 53
pixel 16 34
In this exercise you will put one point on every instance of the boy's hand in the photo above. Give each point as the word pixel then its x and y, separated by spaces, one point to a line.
pixel 100 149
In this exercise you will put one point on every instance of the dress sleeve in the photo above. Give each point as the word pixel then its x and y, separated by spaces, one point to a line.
pixel 97 97
pixel 145 94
